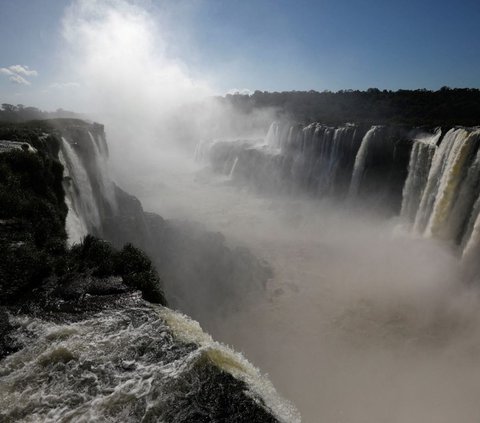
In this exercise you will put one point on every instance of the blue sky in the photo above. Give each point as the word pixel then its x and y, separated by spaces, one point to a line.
pixel 270 44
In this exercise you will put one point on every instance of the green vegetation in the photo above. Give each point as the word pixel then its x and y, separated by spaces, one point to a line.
pixel 32 219
pixel 99 258
pixel 32 223
pixel 445 107
pixel 21 113
pixel 31 192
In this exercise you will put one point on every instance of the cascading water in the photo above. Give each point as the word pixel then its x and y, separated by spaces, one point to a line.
pixel 433 180
pixel 451 187
pixel 360 161
pixel 439 163
pixel 316 157
pixel 142 363
pixel 232 170
pixel 450 181
pixel 81 194
pixel 272 138
pixel 74 224
pixel 471 240
pixel 333 155
pixel 424 148
pixel 463 209
pixel 106 185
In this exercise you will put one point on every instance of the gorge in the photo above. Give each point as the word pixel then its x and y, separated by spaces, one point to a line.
pixel 341 260
pixel 85 333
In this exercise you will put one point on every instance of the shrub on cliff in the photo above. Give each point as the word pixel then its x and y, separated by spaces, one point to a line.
pixel 102 260
pixel 32 226
pixel 22 268
pixel 137 271
pixel 31 191
pixel 32 221
pixel 94 254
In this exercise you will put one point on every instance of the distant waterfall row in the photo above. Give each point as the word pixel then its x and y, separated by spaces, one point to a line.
pixel 345 161
pixel 440 185
pixel 441 197
pixel 430 178
pixel 89 191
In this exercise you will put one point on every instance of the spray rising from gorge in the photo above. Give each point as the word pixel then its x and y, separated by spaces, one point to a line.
pixel 341 259
pixel 353 288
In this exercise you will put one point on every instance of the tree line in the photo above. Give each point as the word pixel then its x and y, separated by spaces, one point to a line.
pixel 21 113
pixel 445 107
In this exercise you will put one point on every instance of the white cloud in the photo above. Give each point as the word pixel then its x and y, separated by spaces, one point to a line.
pixel 17 79
pixel 23 70
pixel 16 74
pixel 63 85
pixel 6 71
pixel 118 54
pixel 244 91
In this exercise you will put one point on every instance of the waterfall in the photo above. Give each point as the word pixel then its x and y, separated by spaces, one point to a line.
pixel 438 215
pixel 431 179
pixel 418 169
pixel 323 140
pixel 82 198
pixel 232 170
pixel 272 137
pixel 449 182
pixel 360 161
pixel 106 185
pixel 334 156
pixel 196 154
pixel 471 241
pixel 464 206
pixel 143 363
pixel 74 224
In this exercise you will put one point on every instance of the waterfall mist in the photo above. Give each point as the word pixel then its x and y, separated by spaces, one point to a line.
pixel 361 320
pixel 130 81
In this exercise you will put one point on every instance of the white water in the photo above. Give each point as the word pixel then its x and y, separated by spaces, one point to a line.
pixel 106 185
pixel 360 161
pixel 418 168
pixel 451 187
pixel 232 170
pixel 359 324
pixel 451 177
pixel 357 313
pixel 98 369
pixel 273 135
pixel 74 224
pixel 82 194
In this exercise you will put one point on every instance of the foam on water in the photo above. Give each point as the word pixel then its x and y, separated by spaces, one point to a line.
pixel 124 365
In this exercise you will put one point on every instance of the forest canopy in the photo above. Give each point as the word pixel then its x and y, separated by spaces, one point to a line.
pixel 445 107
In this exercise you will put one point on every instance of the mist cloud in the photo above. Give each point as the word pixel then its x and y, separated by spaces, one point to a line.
pixel 117 52
pixel 63 85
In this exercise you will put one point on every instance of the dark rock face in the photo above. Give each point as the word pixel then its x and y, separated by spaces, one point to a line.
pixel 32 213
pixel 199 270
pixel 125 364
pixel 32 226
pixel 49 291
pixel 386 167
pixel 320 160
pixel 222 399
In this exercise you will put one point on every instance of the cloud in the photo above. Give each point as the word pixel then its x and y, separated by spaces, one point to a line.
pixel 118 53
pixel 244 91
pixel 64 85
pixel 17 74
pixel 23 70
pixel 17 79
